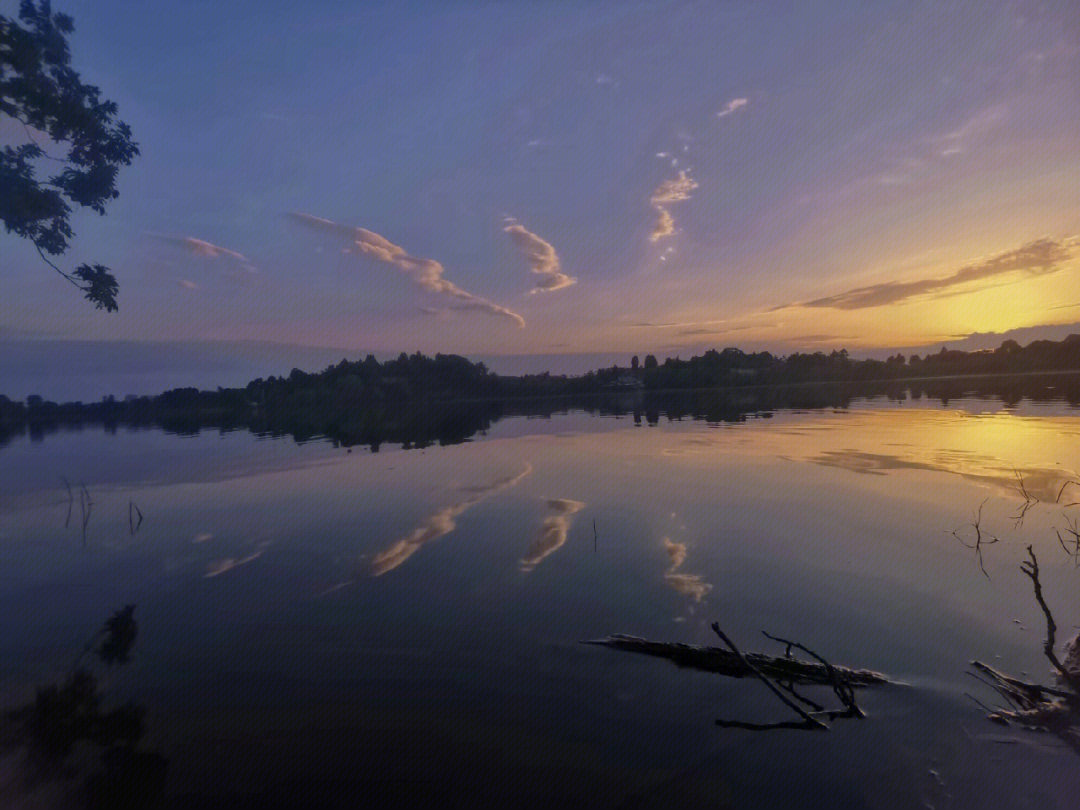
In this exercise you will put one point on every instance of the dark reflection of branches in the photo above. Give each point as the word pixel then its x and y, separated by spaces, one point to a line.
pixel 86 504
pixel 1029 500
pixel 1062 492
pixel 71 501
pixel 135 517
pixel 64 717
pixel 1071 545
pixel 1048 708
pixel 979 539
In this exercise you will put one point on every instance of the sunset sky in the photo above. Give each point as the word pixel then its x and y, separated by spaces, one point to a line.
pixel 560 177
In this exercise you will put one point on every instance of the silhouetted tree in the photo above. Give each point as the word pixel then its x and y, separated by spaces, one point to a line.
pixel 40 90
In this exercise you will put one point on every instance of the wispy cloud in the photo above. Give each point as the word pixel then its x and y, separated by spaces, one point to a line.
pixel 732 106
pixel 719 332
pixel 674 190
pixel 426 273
pixel 932 149
pixel 439 524
pixel 542 258
pixel 956 141
pixel 207 250
pixel 553 532
pixel 1036 258
pixel 671 324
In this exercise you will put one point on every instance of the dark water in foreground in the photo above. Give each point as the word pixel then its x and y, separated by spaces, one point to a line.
pixel 353 629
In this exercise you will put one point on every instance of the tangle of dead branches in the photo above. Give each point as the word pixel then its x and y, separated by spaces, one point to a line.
pixel 843 687
pixel 1055 709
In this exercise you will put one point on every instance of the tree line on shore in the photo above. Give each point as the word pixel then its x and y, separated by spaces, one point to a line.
pixel 369 402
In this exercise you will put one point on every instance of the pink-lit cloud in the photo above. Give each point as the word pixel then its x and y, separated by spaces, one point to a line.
pixel 674 190
pixel 426 273
pixel 541 256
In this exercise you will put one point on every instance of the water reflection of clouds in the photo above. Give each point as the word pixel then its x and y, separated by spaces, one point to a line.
pixel 553 532
pixel 989 449
pixel 439 524
pixel 691 585
pixel 1043 483
pixel 218 567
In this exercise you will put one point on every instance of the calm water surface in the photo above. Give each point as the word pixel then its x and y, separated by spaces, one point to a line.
pixel 352 628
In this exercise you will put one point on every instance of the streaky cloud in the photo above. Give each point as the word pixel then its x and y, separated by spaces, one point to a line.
pixel 672 324
pixel 426 273
pixel 1038 258
pixel 541 256
pixel 208 250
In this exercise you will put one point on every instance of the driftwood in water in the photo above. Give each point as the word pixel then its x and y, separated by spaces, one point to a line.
pixel 731 664
pixel 1055 709
pixel 780 674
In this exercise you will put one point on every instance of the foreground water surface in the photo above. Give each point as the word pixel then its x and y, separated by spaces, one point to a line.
pixel 349 628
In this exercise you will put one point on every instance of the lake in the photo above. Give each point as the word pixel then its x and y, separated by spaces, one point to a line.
pixel 333 626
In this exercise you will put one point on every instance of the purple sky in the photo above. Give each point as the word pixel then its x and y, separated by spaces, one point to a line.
pixel 561 178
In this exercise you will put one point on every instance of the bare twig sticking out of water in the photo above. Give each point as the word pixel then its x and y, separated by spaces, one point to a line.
pixel 1071 546
pixel 71 501
pixel 980 538
pixel 843 689
pixel 1030 567
pixel 133 512
pixel 86 504
pixel 808 721
pixel 595 536
pixel 1029 500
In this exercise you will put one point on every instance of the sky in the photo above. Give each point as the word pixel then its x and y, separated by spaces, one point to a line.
pixel 576 177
